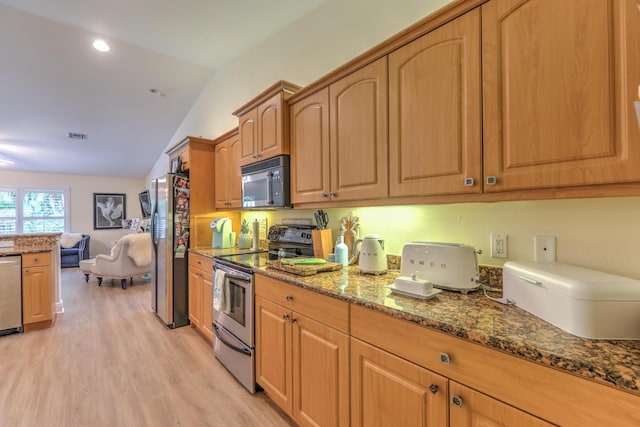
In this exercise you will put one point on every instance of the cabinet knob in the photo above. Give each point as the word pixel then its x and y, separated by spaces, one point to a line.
pixel 26 271
pixel 285 316
pixel 255 156
pixel 444 358
pixel 492 180
pixel 457 400
pixel 433 388
pixel 325 195
pixel 294 320
pixel 289 298
pixel 332 195
pixel 35 260
pixel 468 182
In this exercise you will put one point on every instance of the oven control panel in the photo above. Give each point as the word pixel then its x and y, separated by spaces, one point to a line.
pixel 283 233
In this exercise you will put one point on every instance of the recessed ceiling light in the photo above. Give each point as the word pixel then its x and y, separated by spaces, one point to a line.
pixel 101 45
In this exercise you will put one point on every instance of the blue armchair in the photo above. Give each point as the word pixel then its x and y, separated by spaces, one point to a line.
pixel 71 256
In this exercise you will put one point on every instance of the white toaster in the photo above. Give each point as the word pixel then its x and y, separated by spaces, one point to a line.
pixel 451 266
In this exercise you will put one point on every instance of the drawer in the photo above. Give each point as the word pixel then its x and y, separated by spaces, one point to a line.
pixel 200 261
pixel 36 259
pixel 324 309
pixel 555 396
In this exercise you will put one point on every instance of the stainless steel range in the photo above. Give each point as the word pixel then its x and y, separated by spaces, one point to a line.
pixel 234 299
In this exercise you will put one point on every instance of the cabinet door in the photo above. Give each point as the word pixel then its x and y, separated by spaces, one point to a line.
pixel 271 141
pixel 320 374
pixel 557 102
pixel 273 352
pixel 359 140
pixel 387 390
pixel 195 297
pixel 222 175
pixel 310 148
pixel 234 178
pixel 36 294
pixel 435 117
pixel 471 408
pixel 207 305
pixel 248 132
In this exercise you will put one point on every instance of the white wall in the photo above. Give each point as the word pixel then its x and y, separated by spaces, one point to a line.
pixel 82 188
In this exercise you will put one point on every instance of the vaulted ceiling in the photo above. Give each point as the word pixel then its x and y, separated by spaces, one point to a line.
pixel 128 101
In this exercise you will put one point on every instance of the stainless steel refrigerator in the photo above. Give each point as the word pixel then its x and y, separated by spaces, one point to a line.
pixel 170 233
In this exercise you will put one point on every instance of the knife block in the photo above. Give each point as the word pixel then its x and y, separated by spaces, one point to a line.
pixel 322 243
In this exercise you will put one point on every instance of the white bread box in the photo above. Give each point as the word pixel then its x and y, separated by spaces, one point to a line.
pixel 583 302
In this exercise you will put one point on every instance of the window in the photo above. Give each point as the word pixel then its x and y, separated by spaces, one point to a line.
pixel 33 210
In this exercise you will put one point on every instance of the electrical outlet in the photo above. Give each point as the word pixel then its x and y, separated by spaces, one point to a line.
pixel 498 245
pixel 544 248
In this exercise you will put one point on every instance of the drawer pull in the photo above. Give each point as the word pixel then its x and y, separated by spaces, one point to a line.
pixel 289 298
pixel 433 388
pixel 492 180
pixel 457 400
pixel 35 260
pixel 294 320
pixel 285 316
pixel 444 358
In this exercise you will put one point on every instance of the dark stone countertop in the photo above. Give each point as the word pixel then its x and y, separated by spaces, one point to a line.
pixel 476 319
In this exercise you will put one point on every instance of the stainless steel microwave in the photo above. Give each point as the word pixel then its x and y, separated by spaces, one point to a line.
pixel 265 184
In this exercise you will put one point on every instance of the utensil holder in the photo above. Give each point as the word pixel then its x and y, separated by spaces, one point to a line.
pixel 322 243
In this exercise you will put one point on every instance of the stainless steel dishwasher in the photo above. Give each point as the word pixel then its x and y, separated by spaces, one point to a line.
pixel 10 295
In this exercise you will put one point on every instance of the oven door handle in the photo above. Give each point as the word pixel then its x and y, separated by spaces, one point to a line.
pixel 233 276
pixel 243 350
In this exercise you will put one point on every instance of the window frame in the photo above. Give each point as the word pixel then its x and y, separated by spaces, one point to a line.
pixel 20 217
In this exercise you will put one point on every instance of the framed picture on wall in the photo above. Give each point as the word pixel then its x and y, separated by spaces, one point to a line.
pixel 109 209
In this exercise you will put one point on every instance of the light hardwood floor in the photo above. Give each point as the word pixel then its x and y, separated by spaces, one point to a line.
pixel 110 362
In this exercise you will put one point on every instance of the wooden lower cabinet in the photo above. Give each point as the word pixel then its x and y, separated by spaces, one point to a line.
pixel 37 296
pixel 469 408
pixel 201 295
pixel 302 363
pixel 389 391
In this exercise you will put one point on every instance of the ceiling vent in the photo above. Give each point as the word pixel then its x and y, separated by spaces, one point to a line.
pixel 75 135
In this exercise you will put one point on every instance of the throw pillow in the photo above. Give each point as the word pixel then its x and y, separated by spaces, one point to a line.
pixel 69 240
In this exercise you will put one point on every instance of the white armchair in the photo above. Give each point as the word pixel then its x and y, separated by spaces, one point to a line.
pixel 131 256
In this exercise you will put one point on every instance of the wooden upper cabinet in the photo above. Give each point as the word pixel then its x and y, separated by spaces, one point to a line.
pixel 310 148
pixel 358 134
pixel 228 185
pixel 264 124
pixel 558 92
pixel 248 135
pixel 435 116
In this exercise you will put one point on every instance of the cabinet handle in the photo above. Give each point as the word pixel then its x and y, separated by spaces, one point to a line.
pixel 289 298
pixel 27 271
pixel 35 260
pixel 468 182
pixel 457 400
pixel 325 195
pixel 285 316
pixel 332 194
pixel 433 388
pixel 444 358
pixel 294 320
pixel 492 180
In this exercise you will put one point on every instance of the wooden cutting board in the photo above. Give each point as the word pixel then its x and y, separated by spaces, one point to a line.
pixel 304 270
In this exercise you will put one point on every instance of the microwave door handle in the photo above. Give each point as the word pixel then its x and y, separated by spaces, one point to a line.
pixel 269 188
pixel 243 350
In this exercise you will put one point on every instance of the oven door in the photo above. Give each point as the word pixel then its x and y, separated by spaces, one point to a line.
pixel 236 356
pixel 256 190
pixel 234 308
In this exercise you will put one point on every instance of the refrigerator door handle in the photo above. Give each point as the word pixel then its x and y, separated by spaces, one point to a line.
pixel 155 228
